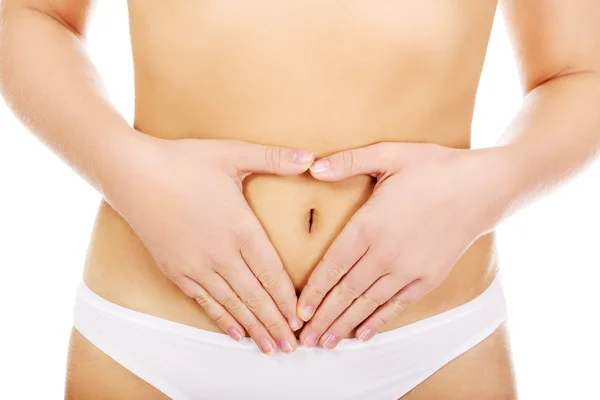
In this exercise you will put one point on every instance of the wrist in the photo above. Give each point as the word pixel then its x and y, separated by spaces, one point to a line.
pixel 123 156
pixel 496 185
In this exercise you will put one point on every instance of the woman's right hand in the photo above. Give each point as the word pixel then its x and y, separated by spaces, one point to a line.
pixel 184 200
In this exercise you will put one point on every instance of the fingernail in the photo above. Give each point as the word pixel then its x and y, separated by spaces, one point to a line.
pixel 266 346
pixel 285 346
pixel 320 166
pixel 330 342
pixel 295 324
pixel 235 334
pixel 311 339
pixel 365 335
pixel 307 312
pixel 302 157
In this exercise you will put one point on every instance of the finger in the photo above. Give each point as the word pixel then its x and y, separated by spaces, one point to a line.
pixel 215 311
pixel 226 296
pixel 257 300
pixel 343 253
pixel 409 294
pixel 365 305
pixel 362 275
pixel 264 262
pixel 376 160
pixel 257 158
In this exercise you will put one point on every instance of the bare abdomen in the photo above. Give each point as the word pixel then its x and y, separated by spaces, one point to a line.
pixel 304 75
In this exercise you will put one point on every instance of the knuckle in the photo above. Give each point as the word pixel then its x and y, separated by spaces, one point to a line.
pixel 254 301
pixel 221 319
pixel 165 267
pixel 186 286
pixel 388 258
pixel 277 157
pixel 269 279
pixel 336 270
pixel 382 320
pixel 233 303
pixel 273 157
pixel 202 300
pixel 214 259
pixel 316 290
pixel 347 292
pixel 268 156
pixel 365 229
pixel 168 269
pixel 252 328
pixel 242 234
pixel 273 326
pixel 368 305
pixel 349 160
pixel 281 303
pixel 346 325
pixel 201 271
pixel 399 304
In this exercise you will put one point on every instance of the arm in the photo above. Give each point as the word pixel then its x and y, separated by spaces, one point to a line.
pixel 47 79
pixel 377 267
pixel 557 130
pixel 209 243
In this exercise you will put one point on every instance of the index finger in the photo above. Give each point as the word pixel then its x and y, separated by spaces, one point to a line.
pixel 345 251
pixel 264 262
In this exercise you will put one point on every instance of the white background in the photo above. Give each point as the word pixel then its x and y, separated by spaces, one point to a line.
pixel 549 251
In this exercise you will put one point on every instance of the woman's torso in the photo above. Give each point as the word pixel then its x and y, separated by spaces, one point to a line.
pixel 320 75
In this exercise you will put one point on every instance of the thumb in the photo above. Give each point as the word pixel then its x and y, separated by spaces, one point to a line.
pixel 251 158
pixel 367 160
pixel 375 160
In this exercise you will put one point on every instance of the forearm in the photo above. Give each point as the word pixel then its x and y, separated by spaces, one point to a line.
pixel 51 85
pixel 554 135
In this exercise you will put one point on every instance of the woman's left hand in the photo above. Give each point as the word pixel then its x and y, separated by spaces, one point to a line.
pixel 429 205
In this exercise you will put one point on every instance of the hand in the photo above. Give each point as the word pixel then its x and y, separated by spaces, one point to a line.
pixel 429 204
pixel 184 200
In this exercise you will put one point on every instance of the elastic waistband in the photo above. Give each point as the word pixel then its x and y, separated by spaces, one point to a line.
pixel 491 302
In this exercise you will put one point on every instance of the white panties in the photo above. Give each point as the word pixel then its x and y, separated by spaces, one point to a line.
pixel 187 363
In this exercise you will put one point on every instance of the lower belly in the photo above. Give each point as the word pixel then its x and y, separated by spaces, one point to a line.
pixel 302 216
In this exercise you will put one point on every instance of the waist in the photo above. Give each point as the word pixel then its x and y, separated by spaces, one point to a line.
pixel 301 216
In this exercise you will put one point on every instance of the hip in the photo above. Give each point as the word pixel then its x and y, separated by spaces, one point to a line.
pixel 187 363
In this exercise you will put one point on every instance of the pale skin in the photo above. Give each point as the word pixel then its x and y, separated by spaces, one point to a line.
pixel 357 281
pixel 375 270
pixel 233 290
pixel 240 297
pixel 232 270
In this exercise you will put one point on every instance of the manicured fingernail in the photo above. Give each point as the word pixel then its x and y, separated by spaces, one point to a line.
pixel 330 342
pixel 311 339
pixel 320 166
pixel 266 346
pixel 235 334
pixel 307 312
pixel 285 346
pixel 295 324
pixel 365 335
pixel 302 157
